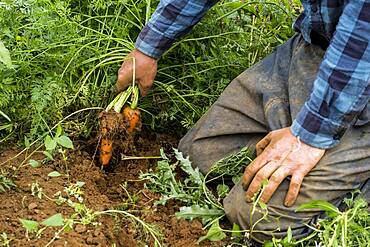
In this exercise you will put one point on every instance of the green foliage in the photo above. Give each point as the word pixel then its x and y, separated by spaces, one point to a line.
pixel 37 228
pixel 55 220
pixel 34 163
pixel 62 140
pixel 329 208
pixel 233 165
pixel 6 127
pixel 65 55
pixel 5 56
pixel 54 174
pixel 59 143
pixel 196 211
pixel 5 241
pixel 214 233
pixel 6 183
pixel 347 228
pixel 198 201
pixel 30 225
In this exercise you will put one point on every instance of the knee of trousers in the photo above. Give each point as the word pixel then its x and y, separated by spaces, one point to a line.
pixel 263 224
pixel 196 151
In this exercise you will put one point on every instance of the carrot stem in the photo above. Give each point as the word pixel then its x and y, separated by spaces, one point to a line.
pixel 123 157
pixel 122 99
pixel 134 97
pixel 111 104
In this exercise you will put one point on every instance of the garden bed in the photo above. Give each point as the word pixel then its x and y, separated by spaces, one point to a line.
pixel 118 188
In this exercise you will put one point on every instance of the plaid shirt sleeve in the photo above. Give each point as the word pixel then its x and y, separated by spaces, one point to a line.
pixel 171 20
pixel 342 89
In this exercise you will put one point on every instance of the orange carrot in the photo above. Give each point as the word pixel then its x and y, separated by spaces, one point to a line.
pixel 132 118
pixel 106 150
pixel 113 122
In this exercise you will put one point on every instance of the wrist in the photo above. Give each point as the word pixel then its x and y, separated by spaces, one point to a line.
pixel 137 52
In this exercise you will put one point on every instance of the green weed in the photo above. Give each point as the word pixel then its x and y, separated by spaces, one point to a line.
pixel 5 240
pixel 348 228
pixel 198 200
pixel 6 183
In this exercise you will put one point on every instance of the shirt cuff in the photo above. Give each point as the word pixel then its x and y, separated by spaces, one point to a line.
pixel 316 130
pixel 152 42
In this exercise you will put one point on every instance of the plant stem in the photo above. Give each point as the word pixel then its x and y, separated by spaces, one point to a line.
pixel 139 158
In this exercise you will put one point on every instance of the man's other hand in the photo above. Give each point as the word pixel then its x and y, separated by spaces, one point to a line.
pixel 279 155
pixel 145 72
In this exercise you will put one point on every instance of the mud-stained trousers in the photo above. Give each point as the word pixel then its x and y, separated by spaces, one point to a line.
pixel 267 97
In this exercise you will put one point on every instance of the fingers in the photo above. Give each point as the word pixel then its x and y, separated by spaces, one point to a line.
pixel 252 169
pixel 261 145
pixel 124 79
pixel 144 87
pixel 295 185
pixel 275 180
pixel 263 174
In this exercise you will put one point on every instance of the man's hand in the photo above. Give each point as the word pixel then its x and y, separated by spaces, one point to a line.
pixel 146 70
pixel 279 155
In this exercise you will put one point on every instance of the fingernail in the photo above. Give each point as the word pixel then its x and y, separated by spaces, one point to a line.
pixel 248 199
pixel 288 204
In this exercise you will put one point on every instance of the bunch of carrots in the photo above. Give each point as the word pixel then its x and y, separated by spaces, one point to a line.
pixel 112 121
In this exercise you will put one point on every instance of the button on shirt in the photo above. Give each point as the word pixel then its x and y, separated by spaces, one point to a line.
pixel 341 90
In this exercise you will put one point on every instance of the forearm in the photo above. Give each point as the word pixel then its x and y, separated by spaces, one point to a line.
pixel 171 20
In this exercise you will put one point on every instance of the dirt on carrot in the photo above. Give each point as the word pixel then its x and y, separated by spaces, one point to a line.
pixel 111 124
pixel 119 188
pixel 132 119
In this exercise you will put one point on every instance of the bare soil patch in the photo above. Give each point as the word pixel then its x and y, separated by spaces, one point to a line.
pixel 102 190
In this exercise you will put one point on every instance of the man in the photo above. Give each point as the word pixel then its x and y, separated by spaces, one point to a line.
pixel 310 97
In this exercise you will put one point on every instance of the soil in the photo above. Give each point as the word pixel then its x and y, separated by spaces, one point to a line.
pixel 103 190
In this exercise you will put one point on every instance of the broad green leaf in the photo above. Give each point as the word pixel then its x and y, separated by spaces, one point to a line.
pixel 64 141
pixel 48 155
pixel 5 56
pixel 54 174
pixel 268 244
pixel 30 225
pixel 50 143
pixel 55 220
pixel 236 232
pixel 319 204
pixel 199 212
pixel 34 163
pixel 59 131
pixel 26 142
pixel 214 233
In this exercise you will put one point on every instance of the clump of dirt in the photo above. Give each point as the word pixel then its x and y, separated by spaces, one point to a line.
pixel 118 187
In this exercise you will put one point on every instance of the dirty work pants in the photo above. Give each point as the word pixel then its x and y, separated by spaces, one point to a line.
pixel 267 97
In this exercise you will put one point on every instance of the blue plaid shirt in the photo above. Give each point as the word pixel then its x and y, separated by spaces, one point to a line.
pixel 341 90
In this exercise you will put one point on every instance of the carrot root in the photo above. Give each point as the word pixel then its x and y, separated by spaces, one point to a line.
pixel 106 150
pixel 132 119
